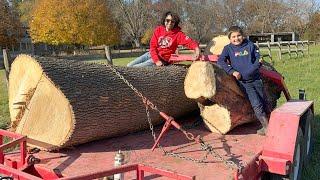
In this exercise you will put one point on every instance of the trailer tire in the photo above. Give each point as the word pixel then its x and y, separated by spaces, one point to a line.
pixel 308 131
pixel 296 169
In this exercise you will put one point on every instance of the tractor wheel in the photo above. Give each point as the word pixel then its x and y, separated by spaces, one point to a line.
pixel 296 168
pixel 308 134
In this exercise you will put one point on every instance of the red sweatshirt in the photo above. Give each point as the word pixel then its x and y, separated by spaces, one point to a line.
pixel 164 43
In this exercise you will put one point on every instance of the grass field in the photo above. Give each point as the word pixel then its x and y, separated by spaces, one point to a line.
pixel 299 73
pixel 4 110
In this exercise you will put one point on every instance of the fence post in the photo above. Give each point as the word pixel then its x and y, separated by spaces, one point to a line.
pixel 280 53
pixel 257 44
pixel 108 54
pixel 289 49
pixel 269 51
pixel 308 47
pixel 302 48
pixel 296 44
pixel 6 63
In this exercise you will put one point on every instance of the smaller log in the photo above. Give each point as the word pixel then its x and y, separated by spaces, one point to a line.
pixel 222 104
pixel 216 45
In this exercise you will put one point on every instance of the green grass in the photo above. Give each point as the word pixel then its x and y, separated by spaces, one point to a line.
pixel 299 73
pixel 4 108
pixel 302 73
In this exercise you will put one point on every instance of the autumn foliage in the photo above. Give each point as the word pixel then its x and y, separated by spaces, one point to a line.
pixel 74 22
pixel 10 26
pixel 147 36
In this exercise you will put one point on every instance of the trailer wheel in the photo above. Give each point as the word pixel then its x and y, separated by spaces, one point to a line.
pixel 308 134
pixel 296 168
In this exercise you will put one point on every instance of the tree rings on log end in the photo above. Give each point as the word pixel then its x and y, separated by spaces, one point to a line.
pixel 200 81
pixel 29 86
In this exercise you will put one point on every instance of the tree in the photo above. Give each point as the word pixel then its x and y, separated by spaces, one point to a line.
pixel 24 8
pixel 263 16
pixel 10 26
pixel 73 22
pixel 134 18
pixel 199 19
pixel 313 27
pixel 147 36
pixel 300 12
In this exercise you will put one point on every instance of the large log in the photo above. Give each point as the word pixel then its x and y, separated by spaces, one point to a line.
pixel 59 103
pixel 222 104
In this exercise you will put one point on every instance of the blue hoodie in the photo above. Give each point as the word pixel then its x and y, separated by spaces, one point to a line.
pixel 244 58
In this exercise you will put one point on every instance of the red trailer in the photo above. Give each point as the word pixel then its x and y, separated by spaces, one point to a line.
pixel 240 154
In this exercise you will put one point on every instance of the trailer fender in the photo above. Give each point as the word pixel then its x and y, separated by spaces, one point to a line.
pixel 283 132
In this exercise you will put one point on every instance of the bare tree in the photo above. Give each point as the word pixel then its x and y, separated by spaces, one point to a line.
pixel 299 12
pixel 199 19
pixel 133 17
pixel 228 12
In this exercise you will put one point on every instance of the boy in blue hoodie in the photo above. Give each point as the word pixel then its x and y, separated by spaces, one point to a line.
pixel 243 57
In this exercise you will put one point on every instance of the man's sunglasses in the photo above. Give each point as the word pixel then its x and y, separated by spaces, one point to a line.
pixel 170 20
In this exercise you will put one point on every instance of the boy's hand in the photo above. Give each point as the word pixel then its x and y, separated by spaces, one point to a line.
pixel 237 75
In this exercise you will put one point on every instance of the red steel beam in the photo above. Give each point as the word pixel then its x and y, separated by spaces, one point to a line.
pixel 16 174
pixel 135 167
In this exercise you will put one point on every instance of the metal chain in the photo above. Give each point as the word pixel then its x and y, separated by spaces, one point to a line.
pixel 204 146
pixel 240 165
pixel 144 99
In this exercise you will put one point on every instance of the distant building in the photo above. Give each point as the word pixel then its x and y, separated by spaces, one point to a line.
pixel 274 37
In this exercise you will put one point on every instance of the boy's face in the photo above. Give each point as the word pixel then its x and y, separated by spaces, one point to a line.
pixel 236 38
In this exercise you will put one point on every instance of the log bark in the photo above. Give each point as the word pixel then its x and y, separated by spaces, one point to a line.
pixel 222 104
pixel 59 103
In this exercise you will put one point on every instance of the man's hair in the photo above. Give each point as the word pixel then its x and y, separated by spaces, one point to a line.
pixel 233 29
pixel 174 16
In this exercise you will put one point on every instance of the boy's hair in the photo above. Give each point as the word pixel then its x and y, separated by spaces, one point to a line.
pixel 233 29
pixel 175 18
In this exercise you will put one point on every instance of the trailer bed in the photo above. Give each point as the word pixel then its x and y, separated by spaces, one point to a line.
pixel 240 145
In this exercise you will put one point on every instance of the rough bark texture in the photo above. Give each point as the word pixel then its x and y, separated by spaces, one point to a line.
pixel 226 106
pixel 100 104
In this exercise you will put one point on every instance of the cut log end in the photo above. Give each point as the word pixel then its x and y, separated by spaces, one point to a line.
pixel 30 86
pixel 200 81
pixel 216 118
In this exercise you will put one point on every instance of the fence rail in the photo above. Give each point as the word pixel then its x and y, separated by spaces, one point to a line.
pixel 292 48
pixel 285 47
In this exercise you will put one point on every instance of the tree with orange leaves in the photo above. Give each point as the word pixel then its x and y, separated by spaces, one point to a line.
pixel 73 22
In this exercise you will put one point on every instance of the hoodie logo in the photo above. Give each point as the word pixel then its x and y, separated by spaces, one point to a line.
pixel 244 53
pixel 165 41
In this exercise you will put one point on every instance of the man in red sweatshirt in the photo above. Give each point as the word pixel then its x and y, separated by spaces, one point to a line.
pixel 164 42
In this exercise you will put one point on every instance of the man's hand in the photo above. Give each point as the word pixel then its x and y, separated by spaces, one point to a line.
pixel 237 75
pixel 196 54
pixel 159 63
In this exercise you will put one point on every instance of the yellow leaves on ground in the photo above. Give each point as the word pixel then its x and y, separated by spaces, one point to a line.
pixel 85 22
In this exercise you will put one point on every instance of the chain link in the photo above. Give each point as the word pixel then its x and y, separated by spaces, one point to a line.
pixel 145 100
pixel 230 163
pixel 204 146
